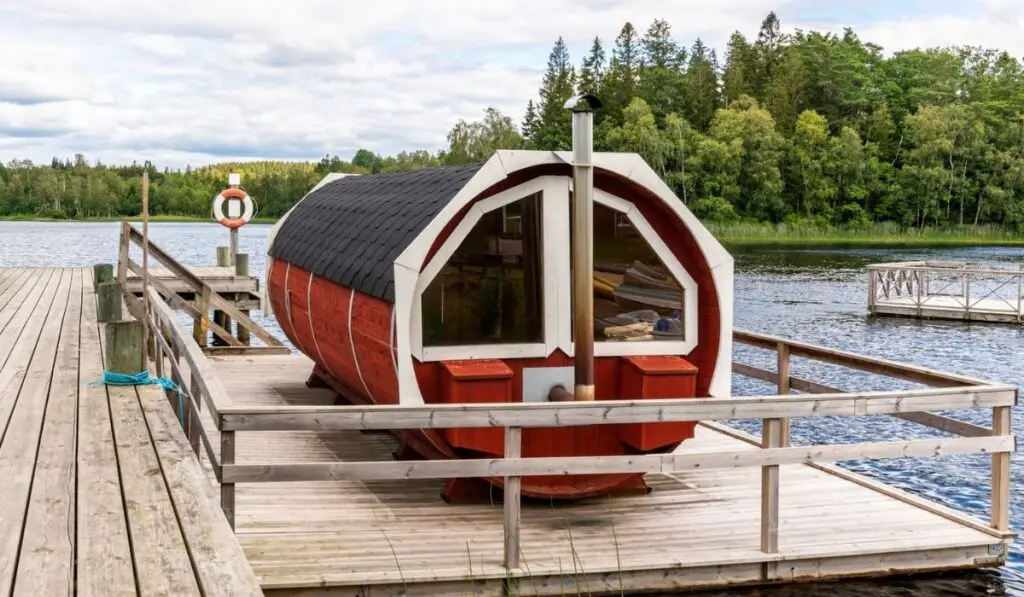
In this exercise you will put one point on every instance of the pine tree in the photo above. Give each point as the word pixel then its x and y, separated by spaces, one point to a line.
pixel 531 126
pixel 593 70
pixel 769 49
pixel 620 82
pixel 661 76
pixel 554 129
pixel 701 84
pixel 739 72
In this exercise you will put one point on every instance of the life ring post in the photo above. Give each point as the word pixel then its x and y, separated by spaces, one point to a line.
pixel 237 216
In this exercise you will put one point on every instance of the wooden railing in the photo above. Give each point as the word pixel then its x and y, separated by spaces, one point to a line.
pixel 949 285
pixel 191 370
pixel 199 310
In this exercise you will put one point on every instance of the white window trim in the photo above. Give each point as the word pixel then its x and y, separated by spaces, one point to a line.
pixel 556 280
pixel 647 347
pixel 554 192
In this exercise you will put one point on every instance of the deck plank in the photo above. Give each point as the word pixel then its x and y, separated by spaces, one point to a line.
pixel 220 563
pixel 162 562
pixel 15 317
pixel 104 552
pixel 47 559
pixel 23 425
pixel 9 288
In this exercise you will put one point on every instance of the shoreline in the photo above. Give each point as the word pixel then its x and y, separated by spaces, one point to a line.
pixel 737 235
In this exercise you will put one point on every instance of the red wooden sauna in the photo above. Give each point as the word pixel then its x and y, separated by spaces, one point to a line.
pixel 456 285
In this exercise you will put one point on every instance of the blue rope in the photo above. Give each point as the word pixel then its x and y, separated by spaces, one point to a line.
pixel 143 378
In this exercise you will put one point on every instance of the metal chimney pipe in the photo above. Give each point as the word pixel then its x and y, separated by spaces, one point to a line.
pixel 583 244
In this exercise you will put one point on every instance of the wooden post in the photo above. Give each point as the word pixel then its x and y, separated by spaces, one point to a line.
pixel 1001 425
pixel 223 260
pixel 124 343
pixel 513 485
pixel 227 490
pixel 108 302
pixel 771 438
pixel 123 252
pixel 195 405
pixel 232 246
pixel 101 272
pixel 158 355
pixel 145 274
pixel 223 257
pixel 201 326
pixel 782 351
pixel 242 270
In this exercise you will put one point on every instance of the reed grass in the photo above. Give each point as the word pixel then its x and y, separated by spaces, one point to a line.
pixel 882 233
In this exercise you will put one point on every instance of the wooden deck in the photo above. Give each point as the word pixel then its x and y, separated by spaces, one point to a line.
pixel 242 291
pixel 697 529
pixel 220 279
pixel 953 291
pixel 100 494
pixel 949 308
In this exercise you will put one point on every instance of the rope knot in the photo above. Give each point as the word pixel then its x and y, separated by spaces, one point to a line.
pixel 143 378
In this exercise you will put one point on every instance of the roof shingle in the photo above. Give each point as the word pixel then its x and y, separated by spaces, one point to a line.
pixel 351 230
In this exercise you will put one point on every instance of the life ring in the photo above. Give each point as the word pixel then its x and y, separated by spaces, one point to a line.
pixel 218 207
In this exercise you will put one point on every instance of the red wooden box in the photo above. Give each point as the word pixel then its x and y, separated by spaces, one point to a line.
pixel 656 377
pixel 464 382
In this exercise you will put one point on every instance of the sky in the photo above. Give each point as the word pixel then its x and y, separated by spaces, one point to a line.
pixel 202 81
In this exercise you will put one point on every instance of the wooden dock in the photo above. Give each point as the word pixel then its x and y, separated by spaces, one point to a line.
pixel 101 495
pixel 699 528
pixel 319 506
pixel 946 290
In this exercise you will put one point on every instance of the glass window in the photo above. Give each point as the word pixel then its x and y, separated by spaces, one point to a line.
pixel 635 296
pixel 491 289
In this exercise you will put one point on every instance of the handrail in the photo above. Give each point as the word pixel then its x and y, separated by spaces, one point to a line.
pixel 949 392
pixel 609 412
pixel 207 298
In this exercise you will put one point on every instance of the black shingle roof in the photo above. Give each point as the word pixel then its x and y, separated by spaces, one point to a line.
pixel 351 230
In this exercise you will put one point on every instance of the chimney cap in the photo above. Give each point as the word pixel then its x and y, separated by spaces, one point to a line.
pixel 574 103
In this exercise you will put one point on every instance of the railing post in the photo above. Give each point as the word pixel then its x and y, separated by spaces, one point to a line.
pixel 1001 425
pixel 242 270
pixel 782 351
pixel 871 290
pixel 224 259
pixel 227 490
pixel 771 434
pixel 513 449
pixel 201 326
pixel 122 254
pixel 1020 299
pixel 158 352
pixel 967 291
pixel 195 405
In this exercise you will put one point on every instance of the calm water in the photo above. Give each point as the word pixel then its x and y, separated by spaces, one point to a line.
pixel 813 294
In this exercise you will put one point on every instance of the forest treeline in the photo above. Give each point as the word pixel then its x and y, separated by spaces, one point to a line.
pixel 808 127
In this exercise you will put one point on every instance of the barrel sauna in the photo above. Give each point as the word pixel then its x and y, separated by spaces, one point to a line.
pixel 453 285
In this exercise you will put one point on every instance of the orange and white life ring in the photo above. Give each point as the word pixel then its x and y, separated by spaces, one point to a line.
pixel 237 220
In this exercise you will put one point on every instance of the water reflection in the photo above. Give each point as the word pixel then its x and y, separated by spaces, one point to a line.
pixel 818 295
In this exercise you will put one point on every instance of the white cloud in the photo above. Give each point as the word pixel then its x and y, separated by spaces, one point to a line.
pixel 205 80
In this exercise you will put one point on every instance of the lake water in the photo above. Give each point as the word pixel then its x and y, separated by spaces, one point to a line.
pixel 811 294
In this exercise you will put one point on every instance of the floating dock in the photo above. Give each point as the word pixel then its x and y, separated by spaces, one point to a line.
pixel 698 528
pixel 319 505
pixel 946 290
